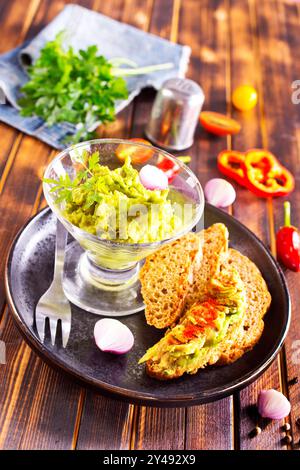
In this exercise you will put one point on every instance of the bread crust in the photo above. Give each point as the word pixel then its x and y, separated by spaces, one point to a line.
pixel 258 303
pixel 165 279
pixel 214 241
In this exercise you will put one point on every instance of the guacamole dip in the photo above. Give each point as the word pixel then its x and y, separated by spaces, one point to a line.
pixel 114 205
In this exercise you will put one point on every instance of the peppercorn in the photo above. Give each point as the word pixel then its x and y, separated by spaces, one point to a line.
pixel 286 427
pixel 255 432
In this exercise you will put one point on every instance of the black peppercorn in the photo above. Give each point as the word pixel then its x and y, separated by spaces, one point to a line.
pixel 255 432
pixel 286 427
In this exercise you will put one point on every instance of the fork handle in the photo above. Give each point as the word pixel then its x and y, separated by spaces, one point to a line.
pixel 60 248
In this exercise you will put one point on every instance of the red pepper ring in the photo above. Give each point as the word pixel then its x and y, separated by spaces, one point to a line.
pixel 230 164
pixel 265 176
pixel 262 160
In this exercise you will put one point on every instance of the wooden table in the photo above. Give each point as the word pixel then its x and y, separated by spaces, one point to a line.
pixel 233 42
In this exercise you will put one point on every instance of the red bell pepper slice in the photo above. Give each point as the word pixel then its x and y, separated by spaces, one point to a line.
pixel 230 164
pixel 265 176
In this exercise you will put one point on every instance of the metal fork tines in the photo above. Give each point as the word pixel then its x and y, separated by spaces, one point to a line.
pixel 53 304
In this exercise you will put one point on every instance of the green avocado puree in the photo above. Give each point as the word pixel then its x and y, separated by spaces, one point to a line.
pixel 114 205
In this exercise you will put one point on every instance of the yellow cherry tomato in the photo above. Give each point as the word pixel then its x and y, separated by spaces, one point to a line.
pixel 244 97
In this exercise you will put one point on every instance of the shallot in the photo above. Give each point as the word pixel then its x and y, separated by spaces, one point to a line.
pixel 219 192
pixel 273 404
pixel 152 177
pixel 113 336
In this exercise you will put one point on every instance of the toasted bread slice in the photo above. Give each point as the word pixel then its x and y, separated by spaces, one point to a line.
pixel 258 300
pixel 166 277
pixel 184 349
pixel 214 242
pixel 242 334
pixel 177 274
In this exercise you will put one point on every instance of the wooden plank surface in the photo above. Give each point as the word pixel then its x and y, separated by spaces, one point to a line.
pixel 276 46
pixel 233 41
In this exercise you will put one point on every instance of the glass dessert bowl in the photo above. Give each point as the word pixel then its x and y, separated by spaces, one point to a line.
pixel 95 189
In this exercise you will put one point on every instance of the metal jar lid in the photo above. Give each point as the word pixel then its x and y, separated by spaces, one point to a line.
pixel 175 114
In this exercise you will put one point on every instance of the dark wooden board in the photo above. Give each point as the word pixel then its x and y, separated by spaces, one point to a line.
pixel 280 63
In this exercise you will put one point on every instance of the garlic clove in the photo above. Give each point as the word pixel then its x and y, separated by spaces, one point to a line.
pixel 113 336
pixel 152 177
pixel 219 192
pixel 273 404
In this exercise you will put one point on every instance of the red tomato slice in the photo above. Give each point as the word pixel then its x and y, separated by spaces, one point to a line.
pixel 219 124
pixel 136 153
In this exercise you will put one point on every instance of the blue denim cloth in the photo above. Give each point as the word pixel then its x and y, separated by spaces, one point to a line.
pixel 84 27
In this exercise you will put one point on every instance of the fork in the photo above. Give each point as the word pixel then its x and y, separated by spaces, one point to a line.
pixel 53 304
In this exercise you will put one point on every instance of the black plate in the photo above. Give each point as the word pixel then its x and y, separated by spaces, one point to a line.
pixel 29 273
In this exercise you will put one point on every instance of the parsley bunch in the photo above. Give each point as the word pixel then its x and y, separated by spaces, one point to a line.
pixel 80 88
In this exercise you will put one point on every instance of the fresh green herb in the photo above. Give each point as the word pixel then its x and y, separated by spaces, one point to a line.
pixel 81 88
pixel 85 178
pixel 93 161
pixel 78 88
pixel 62 187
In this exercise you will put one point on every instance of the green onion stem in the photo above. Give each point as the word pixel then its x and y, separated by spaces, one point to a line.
pixel 116 61
pixel 123 72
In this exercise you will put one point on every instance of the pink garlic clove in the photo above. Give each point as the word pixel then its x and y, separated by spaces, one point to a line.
pixel 219 192
pixel 152 178
pixel 273 404
pixel 113 336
